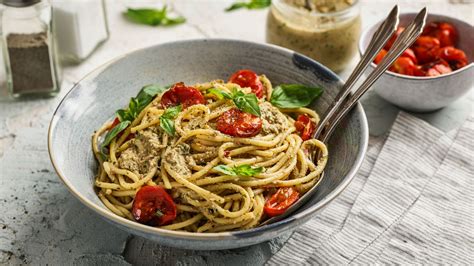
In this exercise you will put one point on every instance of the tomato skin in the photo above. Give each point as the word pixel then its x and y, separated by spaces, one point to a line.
pixel 237 123
pixel 455 57
pixel 149 200
pixel 404 65
pixel 279 202
pixel 410 54
pixel 443 31
pixel 392 39
pixel 305 127
pixel 380 56
pixel 182 94
pixel 248 78
pixel 425 49
pixel 116 122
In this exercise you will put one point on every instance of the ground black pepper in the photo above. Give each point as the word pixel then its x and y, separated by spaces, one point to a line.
pixel 30 63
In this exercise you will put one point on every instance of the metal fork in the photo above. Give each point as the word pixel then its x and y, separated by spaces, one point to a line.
pixel 345 101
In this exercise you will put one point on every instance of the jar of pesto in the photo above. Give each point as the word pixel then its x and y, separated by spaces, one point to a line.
pixel 325 30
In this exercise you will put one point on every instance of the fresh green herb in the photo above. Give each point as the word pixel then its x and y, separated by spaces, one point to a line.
pixel 167 119
pixel 158 213
pixel 294 95
pixel 241 170
pixel 152 16
pixel 245 102
pixel 252 4
pixel 114 132
pixel 137 104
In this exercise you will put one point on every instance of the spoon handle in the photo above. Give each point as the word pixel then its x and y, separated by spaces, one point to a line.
pixel 404 41
pixel 381 36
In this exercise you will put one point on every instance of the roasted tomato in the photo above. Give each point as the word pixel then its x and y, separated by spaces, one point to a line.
pixel 455 57
pixel 248 78
pixel 410 54
pixel 239 124
pixel 425 49
pixel 279 202
pixel 153 206
pixel 305 127
pixel 404 65
pixel 443 31
pixel 392 39
pixel 182 94
pixel 380 56
pixel 116 122
pixel 437 70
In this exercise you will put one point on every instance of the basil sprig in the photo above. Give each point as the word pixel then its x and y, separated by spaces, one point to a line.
pixel 294 95
pixel 241 170
pixel 135 106
pixel 167 119
pixel 245 102
pixel 152 16
pixel 252 4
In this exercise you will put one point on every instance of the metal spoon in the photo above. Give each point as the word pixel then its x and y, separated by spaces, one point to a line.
pixel 344 102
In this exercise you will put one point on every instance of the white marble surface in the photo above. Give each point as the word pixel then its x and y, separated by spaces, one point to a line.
pixel 41 223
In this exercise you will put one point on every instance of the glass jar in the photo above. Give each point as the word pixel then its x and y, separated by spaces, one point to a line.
pixel 28 48
pixel 80 28
pixel 328 34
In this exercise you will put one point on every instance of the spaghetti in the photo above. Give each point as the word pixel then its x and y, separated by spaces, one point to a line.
pixel 217 182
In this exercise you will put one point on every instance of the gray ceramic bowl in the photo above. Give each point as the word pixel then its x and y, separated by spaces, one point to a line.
pixel 424 94
pixel 95 98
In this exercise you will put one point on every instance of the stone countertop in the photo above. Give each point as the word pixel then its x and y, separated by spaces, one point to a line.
pixel 42 223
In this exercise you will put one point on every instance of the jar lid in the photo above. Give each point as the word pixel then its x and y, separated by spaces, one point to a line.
pixel 20 3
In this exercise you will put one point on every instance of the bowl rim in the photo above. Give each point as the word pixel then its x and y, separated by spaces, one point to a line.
pixel 145 229
pixel 365 36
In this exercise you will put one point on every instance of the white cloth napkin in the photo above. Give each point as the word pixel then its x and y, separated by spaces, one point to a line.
pixel 412 202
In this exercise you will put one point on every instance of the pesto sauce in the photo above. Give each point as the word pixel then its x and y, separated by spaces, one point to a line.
pixel 333 44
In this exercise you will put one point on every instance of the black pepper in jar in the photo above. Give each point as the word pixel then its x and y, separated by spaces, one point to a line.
pixel 30 63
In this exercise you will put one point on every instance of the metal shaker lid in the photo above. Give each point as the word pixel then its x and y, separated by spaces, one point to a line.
pixel 20 3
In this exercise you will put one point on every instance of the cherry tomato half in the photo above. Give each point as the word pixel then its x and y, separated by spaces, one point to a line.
pixel 443 31
pixel 455 57
pixel 239 124
pixel 248 78
pixel 305 127
pixel 425 49
pixel 153 206
pixel 182 94
pixel 281 201
pixel 404 65
pixel 380 56
pixel 392 39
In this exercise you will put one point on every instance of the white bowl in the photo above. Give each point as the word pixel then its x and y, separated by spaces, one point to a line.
pixel 424 94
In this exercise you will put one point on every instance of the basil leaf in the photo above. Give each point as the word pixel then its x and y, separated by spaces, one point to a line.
pixel 247 103
pixel 253 4
pixel 220 93
pixel 294 95
pixel 166 119
pixel 114 132
pixel 167 125
pixel 152 17
pixel 158 213
pixel 247 170
pixel 225 170
pixel 241 170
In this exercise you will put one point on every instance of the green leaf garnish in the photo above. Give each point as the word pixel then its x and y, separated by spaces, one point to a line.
pixel 158 213
pixel 167 119
pixel 152 16
pixel 137 104
pixel 294 95
pixel 114 132
pixel 241 170
pixel 252 4
pixel 245 102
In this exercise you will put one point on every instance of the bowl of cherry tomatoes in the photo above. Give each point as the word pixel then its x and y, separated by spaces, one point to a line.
pixel 434 72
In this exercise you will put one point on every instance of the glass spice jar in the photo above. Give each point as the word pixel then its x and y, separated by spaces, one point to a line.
pixel 325 30
pixel 29 49
pixel 80 28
